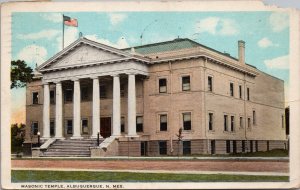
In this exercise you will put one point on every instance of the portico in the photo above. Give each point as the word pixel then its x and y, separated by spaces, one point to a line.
pixel 67 68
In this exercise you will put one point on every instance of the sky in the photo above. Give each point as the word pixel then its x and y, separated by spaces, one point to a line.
pixel 38 36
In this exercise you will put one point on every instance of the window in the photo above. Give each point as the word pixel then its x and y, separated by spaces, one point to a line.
pixel 186 147
pixel 187 125
pixel 254 117
pixel 243 146
pixel 256 146
pixel 162 85
pixel 122 90
pixel 241 122
pixel 122 124
pixel 209 83
pixel 52 128
pixel 52 97
pixel 84 93
pixel 186 85
pixel 240 92
pixel 69 95
pixel 35 98
pixel 69 127
pixel 227 146
pixel 210 121
pixel 248 94
pixel 35 127
pixel 234 146
pixel 232 123
pixel 102 91
pixel 282 121
pixel 249 122
pixel 84 126
pixel 162 147
pixel 251 145
pixel 225 122
pixel 213 146
pixel 139 124
pixel 163 122
pixel 231 89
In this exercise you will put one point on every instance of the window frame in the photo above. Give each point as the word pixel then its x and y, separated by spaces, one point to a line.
pixel 87 126
pixel 34 128
pixel 248 93
pixel 52 126
pixel 231 89
pixel 185 85
pixel 139 126
pixel 241 122
pixel 67 98
pixel 185 123
pixel 225 125
pixel 210 83
pixel 249 123
pixel 240 92
pixel 210 121
pixel 35 100
pixel 103 91
pixel 160 86
pixel 163 150
pixel 122 123
pixel 232 123
pixel 161 124
pixel 254 119
pixel 84 95
pixel 186 147
pixel 68 131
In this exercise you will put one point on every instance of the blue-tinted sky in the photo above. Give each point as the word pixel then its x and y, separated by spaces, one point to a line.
pixel 38 36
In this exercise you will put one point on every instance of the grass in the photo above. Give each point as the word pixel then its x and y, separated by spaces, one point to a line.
pixel 271 153
pixel 91 176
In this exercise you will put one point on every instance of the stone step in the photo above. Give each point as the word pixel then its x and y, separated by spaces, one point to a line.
pixel 70 146
pixel 66 153
pixel 67 150
pixel 76 142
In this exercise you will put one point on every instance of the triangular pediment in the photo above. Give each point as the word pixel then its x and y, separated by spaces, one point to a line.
pixel 83 52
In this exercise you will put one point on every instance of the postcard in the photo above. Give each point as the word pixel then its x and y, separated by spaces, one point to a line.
pixel 149 95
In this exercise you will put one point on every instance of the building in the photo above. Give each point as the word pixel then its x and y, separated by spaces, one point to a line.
pixel 138 98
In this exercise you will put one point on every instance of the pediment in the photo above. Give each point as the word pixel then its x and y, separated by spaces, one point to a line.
pixel 83 54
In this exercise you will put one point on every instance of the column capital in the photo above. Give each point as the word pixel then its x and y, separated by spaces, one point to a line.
pixel 115 75
pixel 45 83
pixel 94 77
pixel 131 73
pixel 75 79
pixel 57 81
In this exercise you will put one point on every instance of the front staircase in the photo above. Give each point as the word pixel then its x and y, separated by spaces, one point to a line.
pixel 70 148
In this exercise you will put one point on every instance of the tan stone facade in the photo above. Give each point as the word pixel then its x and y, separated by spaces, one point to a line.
pixel 201 95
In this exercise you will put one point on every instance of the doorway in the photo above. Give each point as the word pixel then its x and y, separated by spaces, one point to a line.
pixel 105 127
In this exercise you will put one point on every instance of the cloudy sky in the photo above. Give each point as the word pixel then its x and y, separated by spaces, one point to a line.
pixel 38 36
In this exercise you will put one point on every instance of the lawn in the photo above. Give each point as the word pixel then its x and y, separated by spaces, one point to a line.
pixel 91 176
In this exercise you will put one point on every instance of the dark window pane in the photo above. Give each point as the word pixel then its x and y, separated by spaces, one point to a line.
pixel 162 85
pixel 122 124
pixel 139 124
pixel 52 97
pixel 162 147
pixel 248 94
pixel 243 146
pixel 186 83
pixel 102 91
pixel 52 128
pixel 85 126
pixel 254 117
pixel 84 94
pixel 231 89
pixel 240 91
pixel 232 123
pixel 69 126
pixel 225 122
pixel 186 147
pixel 210 121
pixel 210 85
pixel 69 95
pixel 35 128
pixel 35 98
pixel 227 146
pixel 163 122
pixel 187 125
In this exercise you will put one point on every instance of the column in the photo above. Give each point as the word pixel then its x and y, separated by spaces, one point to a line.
pixel 116 106
pixel 131 106
pixel 96 108
pixel 58 111
pixel 46 112
pixel 76 110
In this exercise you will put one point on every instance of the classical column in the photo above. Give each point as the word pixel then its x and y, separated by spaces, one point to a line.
pixel 96 107
pixel 131 106
pixel 116 106
pixel 58 111
pixel 46 112
pixel 76 110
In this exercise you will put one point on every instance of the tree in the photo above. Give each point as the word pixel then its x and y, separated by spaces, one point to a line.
pixel 20 74
pixel 17 137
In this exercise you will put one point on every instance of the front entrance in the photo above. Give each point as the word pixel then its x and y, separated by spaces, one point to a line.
pixel 105 127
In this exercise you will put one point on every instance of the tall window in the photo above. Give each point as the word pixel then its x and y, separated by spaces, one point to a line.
pixel 52 128
pixel 240 92
pixel 249 122
pixel 34 127
pixel 248 94
pixel 68 95
pixel 232 123
pixel 84 94
pixel 187 124
pixel 231 89
pixel 186 85
pixel 122 90
pixel 241 122
pixel 282 121
pixel 210 84
pixel 122 124
pixel 102 91
pixel 139 124
pixel 35 98
pixel 52 97
pixel 186 147
pixel 84 126
pixel 69 127
pixel 162 147
pixel 225 122
pixel 163 122
pixel 162 85
pixel 210 121
pixel 227 146
pixel 254 117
